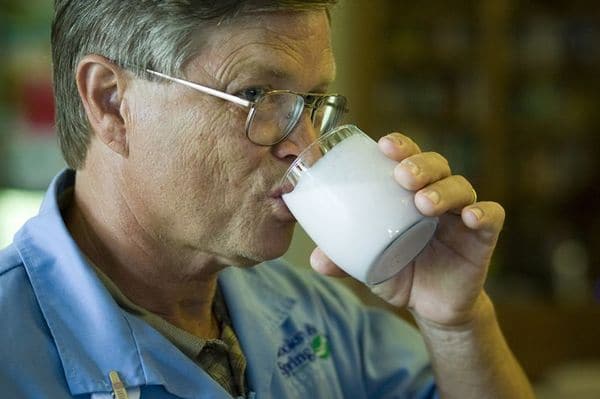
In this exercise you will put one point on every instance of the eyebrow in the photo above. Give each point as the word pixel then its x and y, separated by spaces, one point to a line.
pixel 268 71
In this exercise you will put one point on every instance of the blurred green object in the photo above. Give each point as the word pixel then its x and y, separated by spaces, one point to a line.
pixel 29 154
pixel 16 207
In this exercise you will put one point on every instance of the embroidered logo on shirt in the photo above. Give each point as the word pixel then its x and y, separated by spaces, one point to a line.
pixel 320 346
pixel 300 349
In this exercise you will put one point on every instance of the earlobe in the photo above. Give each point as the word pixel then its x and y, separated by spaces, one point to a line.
pixel 101 84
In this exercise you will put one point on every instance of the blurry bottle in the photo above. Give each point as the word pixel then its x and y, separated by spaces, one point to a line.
pixel 570 266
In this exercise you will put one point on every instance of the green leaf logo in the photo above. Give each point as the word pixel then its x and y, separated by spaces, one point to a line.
pixel 320 346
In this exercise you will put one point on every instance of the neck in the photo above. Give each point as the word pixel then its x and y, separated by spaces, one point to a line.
pixel 177 284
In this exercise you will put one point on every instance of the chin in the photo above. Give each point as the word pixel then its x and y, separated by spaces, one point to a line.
pixel 268 248
pixel 253 259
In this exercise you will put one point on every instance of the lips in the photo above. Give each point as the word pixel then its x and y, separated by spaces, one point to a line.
pixel 281 190
pixel 280 209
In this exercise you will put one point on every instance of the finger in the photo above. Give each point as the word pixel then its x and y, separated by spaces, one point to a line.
pixel 474 232
pixel 485 217
pixel 323 265
pixel 397 146
pixel 450 193
pixel 396 290
pixel 417 171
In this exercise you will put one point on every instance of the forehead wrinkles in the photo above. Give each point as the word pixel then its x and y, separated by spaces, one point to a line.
pixel 288 43
pixel 243 56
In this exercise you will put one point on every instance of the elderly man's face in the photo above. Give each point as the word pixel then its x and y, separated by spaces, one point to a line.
pixel 194 180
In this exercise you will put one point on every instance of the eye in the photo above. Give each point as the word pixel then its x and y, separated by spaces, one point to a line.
pixel 310 99
pixel 252 93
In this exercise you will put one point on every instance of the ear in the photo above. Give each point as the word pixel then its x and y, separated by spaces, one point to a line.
pixel 101 84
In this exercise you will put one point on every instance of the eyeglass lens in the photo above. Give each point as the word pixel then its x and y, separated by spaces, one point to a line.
pixel 328 114
pixel 276 114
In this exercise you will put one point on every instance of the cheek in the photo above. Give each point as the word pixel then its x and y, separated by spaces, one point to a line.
pixel 153 125
pixel 212 161
pixel 169 133
pixel 221 146
pixel 197 153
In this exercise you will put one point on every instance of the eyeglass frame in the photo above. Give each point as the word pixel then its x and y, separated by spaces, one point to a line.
pixel 251 105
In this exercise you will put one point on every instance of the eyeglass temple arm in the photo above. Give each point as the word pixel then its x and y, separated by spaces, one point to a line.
pixel 204 89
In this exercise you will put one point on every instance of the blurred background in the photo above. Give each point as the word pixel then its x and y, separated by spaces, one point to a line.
pixel 507 90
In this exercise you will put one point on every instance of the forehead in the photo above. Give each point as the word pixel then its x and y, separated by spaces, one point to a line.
pixel 285 45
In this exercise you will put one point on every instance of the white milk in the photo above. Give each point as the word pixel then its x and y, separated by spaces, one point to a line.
pixel 351 206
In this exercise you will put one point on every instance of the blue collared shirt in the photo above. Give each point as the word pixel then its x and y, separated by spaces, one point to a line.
pixel 304 336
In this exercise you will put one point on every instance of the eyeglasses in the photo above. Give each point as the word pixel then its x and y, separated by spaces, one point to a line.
pixel 274 114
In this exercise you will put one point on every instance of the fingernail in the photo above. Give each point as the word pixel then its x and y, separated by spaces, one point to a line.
pixel 433 196
pixel 412 167
pixel 395 137
pixel 477 212
pixel 399 142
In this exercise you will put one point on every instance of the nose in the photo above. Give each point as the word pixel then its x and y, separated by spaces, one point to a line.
pixel 303 134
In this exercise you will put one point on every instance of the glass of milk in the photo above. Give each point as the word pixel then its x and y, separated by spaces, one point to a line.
pixel 342 191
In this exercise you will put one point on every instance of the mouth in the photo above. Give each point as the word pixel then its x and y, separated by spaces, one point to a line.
pixel 281 211
pixel 283 189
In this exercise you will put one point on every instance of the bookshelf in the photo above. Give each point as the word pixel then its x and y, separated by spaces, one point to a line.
pixel 508 92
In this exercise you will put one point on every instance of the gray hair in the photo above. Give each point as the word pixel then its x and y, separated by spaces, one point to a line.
pixel 155 34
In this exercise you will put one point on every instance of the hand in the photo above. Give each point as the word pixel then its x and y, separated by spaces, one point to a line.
pixel 444 284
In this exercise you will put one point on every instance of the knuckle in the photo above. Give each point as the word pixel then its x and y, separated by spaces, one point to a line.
pixel 496 212
pixel 460 179
pixel 439 159
pixel 500 211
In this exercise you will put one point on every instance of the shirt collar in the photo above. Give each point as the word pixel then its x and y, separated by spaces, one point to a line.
pixel 93 336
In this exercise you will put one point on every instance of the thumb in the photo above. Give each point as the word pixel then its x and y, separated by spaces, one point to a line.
pixel 323 265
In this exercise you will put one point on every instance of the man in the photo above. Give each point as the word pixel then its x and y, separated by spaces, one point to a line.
pixel 138 276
